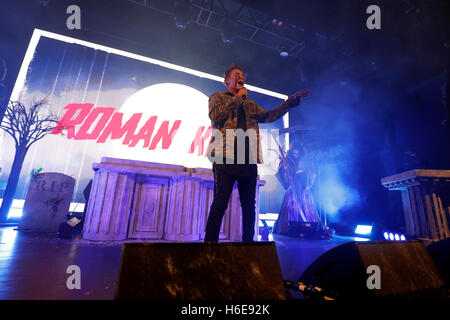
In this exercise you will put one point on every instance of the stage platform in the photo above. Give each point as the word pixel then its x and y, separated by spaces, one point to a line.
pixel 33 266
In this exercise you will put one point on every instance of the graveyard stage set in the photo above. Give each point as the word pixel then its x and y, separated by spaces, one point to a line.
pixel 112 113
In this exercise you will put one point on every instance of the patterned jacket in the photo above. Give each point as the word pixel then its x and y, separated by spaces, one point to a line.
pixel 223 107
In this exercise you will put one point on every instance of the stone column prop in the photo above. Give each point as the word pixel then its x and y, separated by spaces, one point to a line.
pixel 207 195
pixel 136 210
pixel 231 228
pixel 157 205
pixel 144 200
pixel 206 189
pixel 109 203
pixel 426 201
pixel 232 223
pixel 183 220
pixel 206 181
pixel 235 218
pixel 47 202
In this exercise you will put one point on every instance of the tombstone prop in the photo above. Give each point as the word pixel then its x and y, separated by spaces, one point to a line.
pixel 47 203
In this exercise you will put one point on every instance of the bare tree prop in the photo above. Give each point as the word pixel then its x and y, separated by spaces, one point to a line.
pixel 26 126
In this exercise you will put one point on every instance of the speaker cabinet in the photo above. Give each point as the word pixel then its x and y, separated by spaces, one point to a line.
pixel 440 253
pixel 200 271
pixel 406 271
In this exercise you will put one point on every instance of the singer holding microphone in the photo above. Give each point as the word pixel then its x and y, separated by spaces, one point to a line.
pixel 233 110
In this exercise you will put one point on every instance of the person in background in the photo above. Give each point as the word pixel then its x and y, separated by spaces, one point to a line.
pixel 297 173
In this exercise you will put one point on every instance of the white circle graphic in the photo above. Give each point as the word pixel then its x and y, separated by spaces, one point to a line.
pixel 174 103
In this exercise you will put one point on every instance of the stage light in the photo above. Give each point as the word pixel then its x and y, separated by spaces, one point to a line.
pixel 276 22
pixel 17 205
pixel 387 235
pixel 363 229
pixel 183 14
pixel 270 223
pixel 8 236
pixel 284 52
pixel 380 232
pixel 267 219
pixel 229 30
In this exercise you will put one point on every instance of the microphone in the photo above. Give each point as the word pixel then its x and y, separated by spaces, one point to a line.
pixel 244 96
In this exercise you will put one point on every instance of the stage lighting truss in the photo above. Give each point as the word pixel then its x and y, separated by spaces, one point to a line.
pixel 183 13
pixel 229 30
pixel 242 21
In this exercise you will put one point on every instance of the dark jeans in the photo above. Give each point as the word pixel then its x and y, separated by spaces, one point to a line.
pixel 223 186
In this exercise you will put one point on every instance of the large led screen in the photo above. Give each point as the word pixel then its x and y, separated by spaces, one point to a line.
pixel 122 105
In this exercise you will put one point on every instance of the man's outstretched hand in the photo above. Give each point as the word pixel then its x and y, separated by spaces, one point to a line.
pixel 294 100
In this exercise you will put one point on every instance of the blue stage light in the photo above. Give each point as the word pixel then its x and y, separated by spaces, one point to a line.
pixel 363 229
pixel 360 239
pixel 270 223
pixel 402 237
pixel 391 236
pixel 397 237
pixel 386 236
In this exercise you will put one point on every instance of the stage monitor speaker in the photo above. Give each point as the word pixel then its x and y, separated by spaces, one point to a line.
pixel 301 229
pixel 440 253
pixel 406 270
pixel 200 271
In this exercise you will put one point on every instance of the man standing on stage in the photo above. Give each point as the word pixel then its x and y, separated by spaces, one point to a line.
pixel 233 115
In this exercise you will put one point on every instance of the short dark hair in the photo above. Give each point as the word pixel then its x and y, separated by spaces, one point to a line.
pixel 227 73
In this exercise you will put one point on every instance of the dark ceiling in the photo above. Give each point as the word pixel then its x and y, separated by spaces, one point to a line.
pixel 332 36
